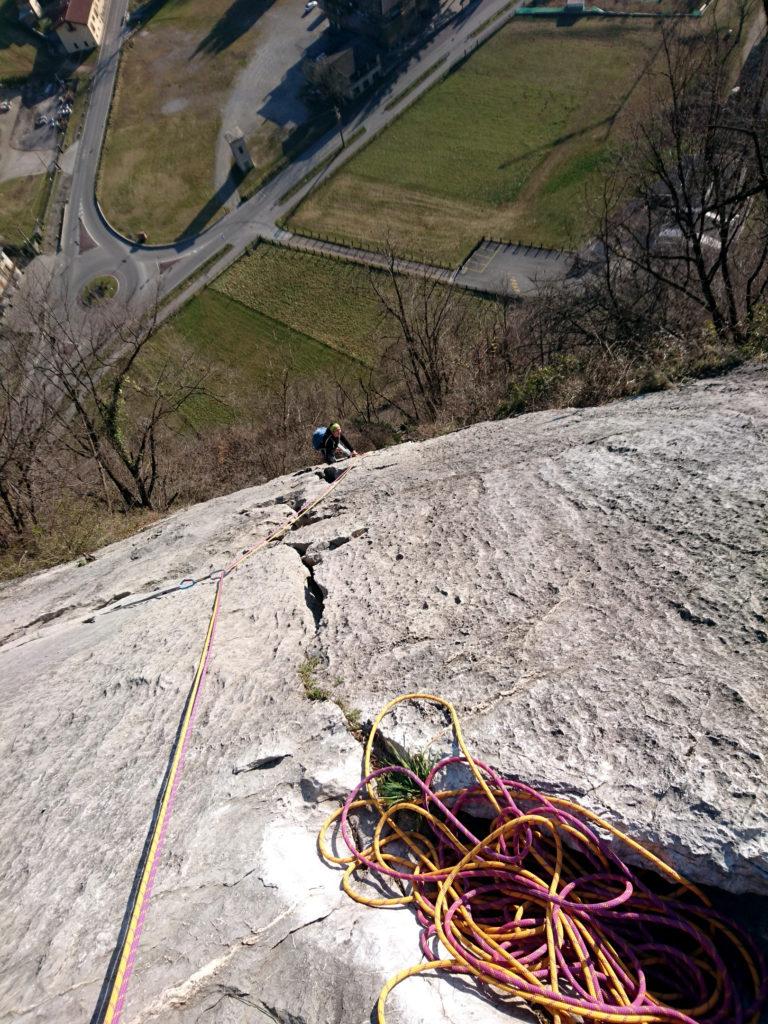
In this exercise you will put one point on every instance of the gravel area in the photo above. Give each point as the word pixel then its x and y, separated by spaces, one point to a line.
pixel 267 89
pixel 24 149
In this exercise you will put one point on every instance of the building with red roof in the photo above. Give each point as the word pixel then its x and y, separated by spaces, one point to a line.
pixel 79 24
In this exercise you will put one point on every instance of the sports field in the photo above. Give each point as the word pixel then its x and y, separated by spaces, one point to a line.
pixel 510 145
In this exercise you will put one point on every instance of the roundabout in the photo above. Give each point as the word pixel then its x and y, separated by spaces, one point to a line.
pixel 99 290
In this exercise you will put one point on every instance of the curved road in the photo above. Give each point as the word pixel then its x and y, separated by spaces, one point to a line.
pixel 91 247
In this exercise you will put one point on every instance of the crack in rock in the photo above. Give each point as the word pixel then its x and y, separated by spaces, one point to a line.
pixel 202 980
pixel 230 992
pixel 231 885
pixel 314 593
pixel 260 764
pixel 41 620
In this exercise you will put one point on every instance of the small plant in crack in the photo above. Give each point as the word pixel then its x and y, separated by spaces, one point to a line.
pixel 353 718
pixel 312 689
pixel 395 788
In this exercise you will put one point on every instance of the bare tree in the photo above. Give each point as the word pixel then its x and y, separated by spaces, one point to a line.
pixel 112 397
pixel 687 213
pixel 326 80
pixel 439 342
pixel 291 407
pixel 24 426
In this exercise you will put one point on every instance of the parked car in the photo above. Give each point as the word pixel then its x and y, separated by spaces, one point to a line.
pixel 5 106
pixel 310 6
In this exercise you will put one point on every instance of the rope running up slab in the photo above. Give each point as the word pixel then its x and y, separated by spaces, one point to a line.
pixel 542 907
pixel 113 994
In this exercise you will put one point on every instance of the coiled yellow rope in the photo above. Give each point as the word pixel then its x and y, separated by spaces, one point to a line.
pixel 542 907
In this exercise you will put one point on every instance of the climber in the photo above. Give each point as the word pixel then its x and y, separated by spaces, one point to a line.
pixel 330 441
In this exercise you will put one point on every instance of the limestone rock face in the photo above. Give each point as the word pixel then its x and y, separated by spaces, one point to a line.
pixel 587 586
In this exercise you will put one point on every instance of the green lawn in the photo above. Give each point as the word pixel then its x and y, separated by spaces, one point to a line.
pixel 22 202
pixel 508 145
pixel 328 300
pixel 245 350
pixel 18 47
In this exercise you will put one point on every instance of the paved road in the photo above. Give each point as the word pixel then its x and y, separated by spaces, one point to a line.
pixel 503 268
pixel 145 272
pixel 91 247
pixel 110 254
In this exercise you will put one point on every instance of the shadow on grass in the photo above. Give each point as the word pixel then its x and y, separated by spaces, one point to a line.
pixel 567 19
pixel 146 11
pixel 211 208
pixel 607 122
pixel 561 140
pixel 305 134
pixel 240 16
pixel 48 62
pixel 14 33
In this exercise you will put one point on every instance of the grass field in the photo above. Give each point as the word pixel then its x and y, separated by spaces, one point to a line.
pixel 245 352
pixel 330 301
pixel 508 145
pixel 157 168
pixel 18 47
pixel 22 201
pixel 273 310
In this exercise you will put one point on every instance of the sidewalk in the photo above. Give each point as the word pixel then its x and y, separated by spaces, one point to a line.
pixel 496 268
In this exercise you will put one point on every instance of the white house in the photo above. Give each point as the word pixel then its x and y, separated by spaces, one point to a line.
pixel 80 24
pixel 10 278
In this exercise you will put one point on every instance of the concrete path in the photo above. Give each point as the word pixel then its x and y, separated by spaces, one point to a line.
pixel 497 268
pixel 364 257
pixel 69 158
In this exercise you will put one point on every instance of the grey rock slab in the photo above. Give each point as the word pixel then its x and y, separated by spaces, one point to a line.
pixel 587 586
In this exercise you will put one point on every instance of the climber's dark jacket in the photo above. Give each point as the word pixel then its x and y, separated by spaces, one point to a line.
pixel 330 444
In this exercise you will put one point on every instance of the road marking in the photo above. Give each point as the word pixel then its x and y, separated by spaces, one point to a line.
pixel 514 285
pixel 491 256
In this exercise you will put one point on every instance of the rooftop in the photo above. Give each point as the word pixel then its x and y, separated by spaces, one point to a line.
pixel 75 11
